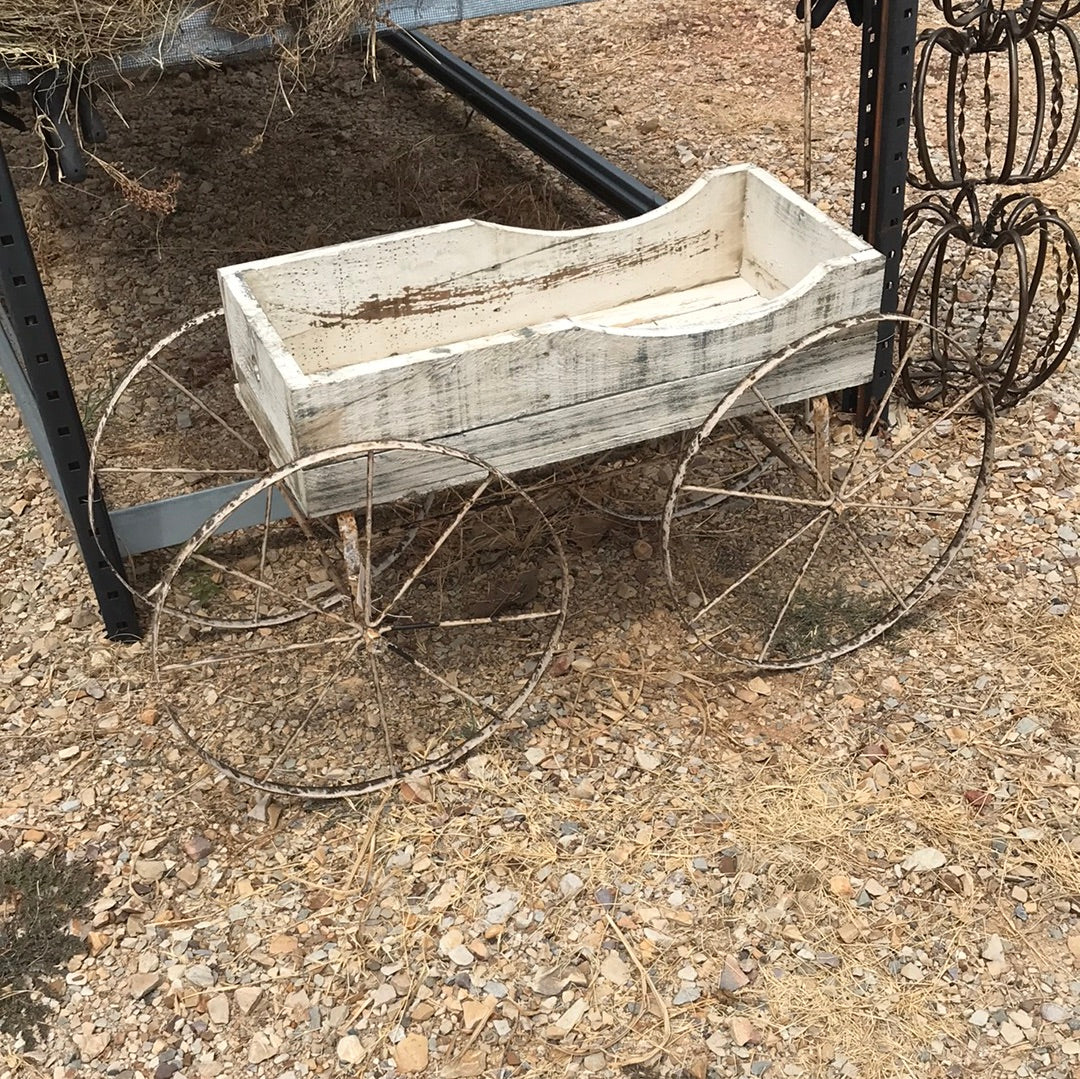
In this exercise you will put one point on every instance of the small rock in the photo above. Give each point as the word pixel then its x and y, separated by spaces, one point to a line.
pixel 93 1045
pixel 923 860
pixel 979 1018
pixel 993 951
pixel 201 975
pixel 732 977
pixel 912 972
pixel 350 1050
pixel 150 869
pixel 168 1067
pixel 142 985
pixel 646 761
pixel 247 996
pixel 474 1012
pixel 1073 944
pixel 260 1049
pixel 744 1032
pixel 570 885
pixel 461 955
pixel 643 550
pixel 840 886
pixel 1011 1034
pixel 686 995
pixel 411 1054
pixel 197 847
pixel 217 1007
pixel 1055 1013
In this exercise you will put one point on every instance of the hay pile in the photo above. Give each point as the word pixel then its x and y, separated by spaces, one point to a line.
pixel 43 33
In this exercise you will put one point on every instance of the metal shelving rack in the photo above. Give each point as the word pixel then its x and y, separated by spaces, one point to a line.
pixel 32 361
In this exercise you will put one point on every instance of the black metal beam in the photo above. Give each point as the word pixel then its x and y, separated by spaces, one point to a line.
pixel 881 151
pixel 65 449
pixel 581 163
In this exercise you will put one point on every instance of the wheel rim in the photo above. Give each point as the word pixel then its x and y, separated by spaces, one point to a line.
pixel 396 680
pixel 806 567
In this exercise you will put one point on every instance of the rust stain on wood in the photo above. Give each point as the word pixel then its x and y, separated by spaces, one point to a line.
pixel 444 298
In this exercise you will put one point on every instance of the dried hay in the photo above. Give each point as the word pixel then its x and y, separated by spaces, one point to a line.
pixel 44 33
pixel 1051 648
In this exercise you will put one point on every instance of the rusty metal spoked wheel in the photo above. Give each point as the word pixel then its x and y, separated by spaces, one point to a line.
pixel 841 540
pixel 409 671
pixel 171 427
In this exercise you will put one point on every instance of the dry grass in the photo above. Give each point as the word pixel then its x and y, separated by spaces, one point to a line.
pixel 1051 648
pixel 44 34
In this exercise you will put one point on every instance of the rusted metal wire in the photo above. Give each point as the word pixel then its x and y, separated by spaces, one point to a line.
pixel 1007 287
pixel 987 21
pixel 995 101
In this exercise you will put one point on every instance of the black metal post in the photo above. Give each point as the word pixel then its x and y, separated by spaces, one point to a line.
pixel 62 442
pixel 581 163
pixel 881 151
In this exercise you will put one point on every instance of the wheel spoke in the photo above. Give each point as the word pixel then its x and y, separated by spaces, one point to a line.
pixel 449 686
pixel 761 496
pixel 435 548
pixel 949 511
pixel 240 575
pixel 757 566
pixel 911 442
pixel 454 623
pixel 871 561
pixel 795 587
pixel 302 726
pixel 244 656
pixel 822 482
pixel 262 552
pixel 380 703
pixel 196 400
pixel 883 404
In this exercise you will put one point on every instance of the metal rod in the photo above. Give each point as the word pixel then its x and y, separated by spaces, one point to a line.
pixel 57 427
pixel 615 188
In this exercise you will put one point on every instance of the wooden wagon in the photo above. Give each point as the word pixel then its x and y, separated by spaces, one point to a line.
pixel 420 395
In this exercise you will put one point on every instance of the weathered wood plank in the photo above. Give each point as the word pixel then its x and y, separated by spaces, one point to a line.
pixel 542 370
pixel 635 416
pixel 529 347
pixel 439 285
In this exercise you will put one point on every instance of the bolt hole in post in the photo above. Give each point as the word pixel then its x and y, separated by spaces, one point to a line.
pixel 432 646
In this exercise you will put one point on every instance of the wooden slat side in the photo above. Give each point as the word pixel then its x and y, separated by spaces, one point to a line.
pixel 596 425
pixel 451 283
pixel 537 372
pixel 787 239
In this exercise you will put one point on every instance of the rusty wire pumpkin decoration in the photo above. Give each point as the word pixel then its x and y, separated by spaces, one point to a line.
pixel 987 21
pixel 1007 286
pixel 995 103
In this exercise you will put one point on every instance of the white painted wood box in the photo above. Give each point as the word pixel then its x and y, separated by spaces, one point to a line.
pixel 525 347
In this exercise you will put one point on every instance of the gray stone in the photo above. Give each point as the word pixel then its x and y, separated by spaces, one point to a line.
pixel 923 860
pixel 201 975
pixel 1055 1013
pixel 570 885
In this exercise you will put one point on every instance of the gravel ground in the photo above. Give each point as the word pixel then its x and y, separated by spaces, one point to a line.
pixel 870 869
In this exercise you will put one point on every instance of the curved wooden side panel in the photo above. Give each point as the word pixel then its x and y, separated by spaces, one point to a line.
pixel 528 347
